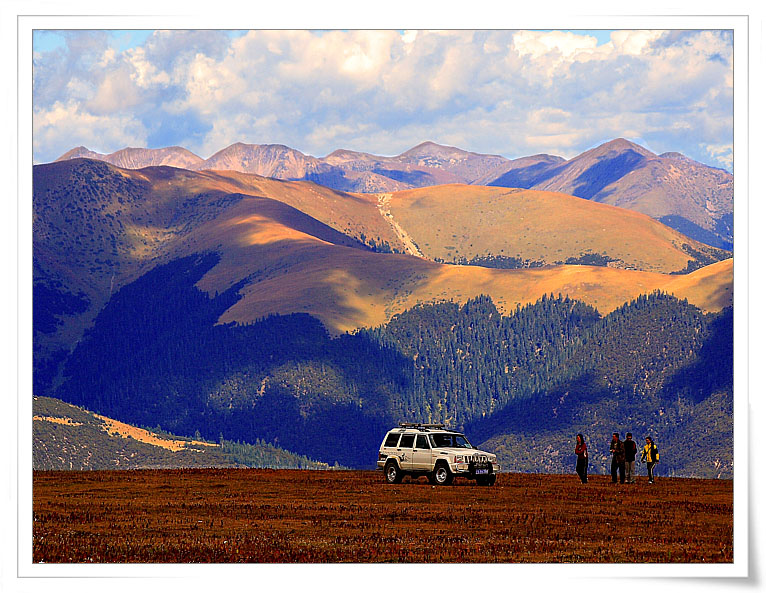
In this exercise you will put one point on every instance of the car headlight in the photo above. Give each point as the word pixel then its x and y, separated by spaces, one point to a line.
pixel 458 459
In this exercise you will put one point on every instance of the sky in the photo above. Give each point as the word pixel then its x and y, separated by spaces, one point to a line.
pixel 513 93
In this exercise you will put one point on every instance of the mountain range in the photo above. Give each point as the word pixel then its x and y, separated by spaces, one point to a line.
pixel 257 308
pixel 689 196
pixel 351 260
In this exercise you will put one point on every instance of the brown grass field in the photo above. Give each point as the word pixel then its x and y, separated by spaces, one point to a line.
pixel 286 516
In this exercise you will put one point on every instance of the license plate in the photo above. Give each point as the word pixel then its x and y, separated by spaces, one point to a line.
pixel 482 471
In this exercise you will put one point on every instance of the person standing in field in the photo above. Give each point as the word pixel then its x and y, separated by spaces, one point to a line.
pixel 651 455
pixel 617 449
pixel 630 458
pixel 581 450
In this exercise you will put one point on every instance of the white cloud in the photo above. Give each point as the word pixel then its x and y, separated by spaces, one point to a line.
pixel 537 44
pixel 117 92
pixel 145 73
pixel 368 53
pixel 108 57
pixel 64 126
pixel 409 37
pixel 633 42
pixel 507 92
pixel 722 153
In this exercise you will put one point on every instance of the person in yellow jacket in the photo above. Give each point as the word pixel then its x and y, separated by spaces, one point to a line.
pixel 651 455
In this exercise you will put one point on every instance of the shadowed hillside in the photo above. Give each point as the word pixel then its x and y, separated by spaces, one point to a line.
pixel 156 355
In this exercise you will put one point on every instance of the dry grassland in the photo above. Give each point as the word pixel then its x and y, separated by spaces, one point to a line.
pixel 228 516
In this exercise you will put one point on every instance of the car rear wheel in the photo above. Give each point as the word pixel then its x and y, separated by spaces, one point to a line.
pixel 393 473
pixel 442 476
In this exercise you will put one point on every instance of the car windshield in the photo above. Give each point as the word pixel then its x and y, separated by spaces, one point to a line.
pixel 450 440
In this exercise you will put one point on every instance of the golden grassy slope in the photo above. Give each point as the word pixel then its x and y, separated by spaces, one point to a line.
pixel 128 431
pixel 93 431
pixel 453 221
pixel 294 271
pixel 353 214
pixel 294 260
pixel 710 288
pixel 349 292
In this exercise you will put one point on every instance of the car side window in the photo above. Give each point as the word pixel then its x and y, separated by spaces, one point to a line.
pixel 441 440
pixel 421 442
pixel 391 440
pixel 407 441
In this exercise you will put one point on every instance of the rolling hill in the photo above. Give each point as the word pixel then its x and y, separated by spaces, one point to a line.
pixel 692 198
pixel 523 228
pixel 67 437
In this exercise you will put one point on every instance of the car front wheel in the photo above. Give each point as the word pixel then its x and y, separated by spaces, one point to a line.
pixel 393 473
pixel 442 475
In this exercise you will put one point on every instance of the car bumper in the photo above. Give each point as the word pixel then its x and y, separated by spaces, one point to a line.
pixel 466 469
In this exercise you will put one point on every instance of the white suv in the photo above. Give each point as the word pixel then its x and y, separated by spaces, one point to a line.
pixel 431 450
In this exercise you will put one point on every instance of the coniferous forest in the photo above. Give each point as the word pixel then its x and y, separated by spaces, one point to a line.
pixel 520 385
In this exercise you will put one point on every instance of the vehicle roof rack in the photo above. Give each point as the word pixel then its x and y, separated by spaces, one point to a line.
pixel 419 425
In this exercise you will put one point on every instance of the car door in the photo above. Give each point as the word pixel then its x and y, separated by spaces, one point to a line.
pixel 421 454
pixel 404 451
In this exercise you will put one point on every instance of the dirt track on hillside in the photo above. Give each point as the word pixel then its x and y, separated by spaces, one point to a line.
pixel 158 516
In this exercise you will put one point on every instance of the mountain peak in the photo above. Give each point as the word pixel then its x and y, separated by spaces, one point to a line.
pixel 430 144
pixel 429 148
pixel 615 147
pixel 344 155
pixel 236 147
pixel 243 146
pixel 267 160
pixel 621 145
pixel 79 152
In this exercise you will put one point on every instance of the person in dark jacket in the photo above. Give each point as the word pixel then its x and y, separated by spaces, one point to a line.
pixel 581 450
pixel 630 458
pixel 651 455
pixel 617 449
